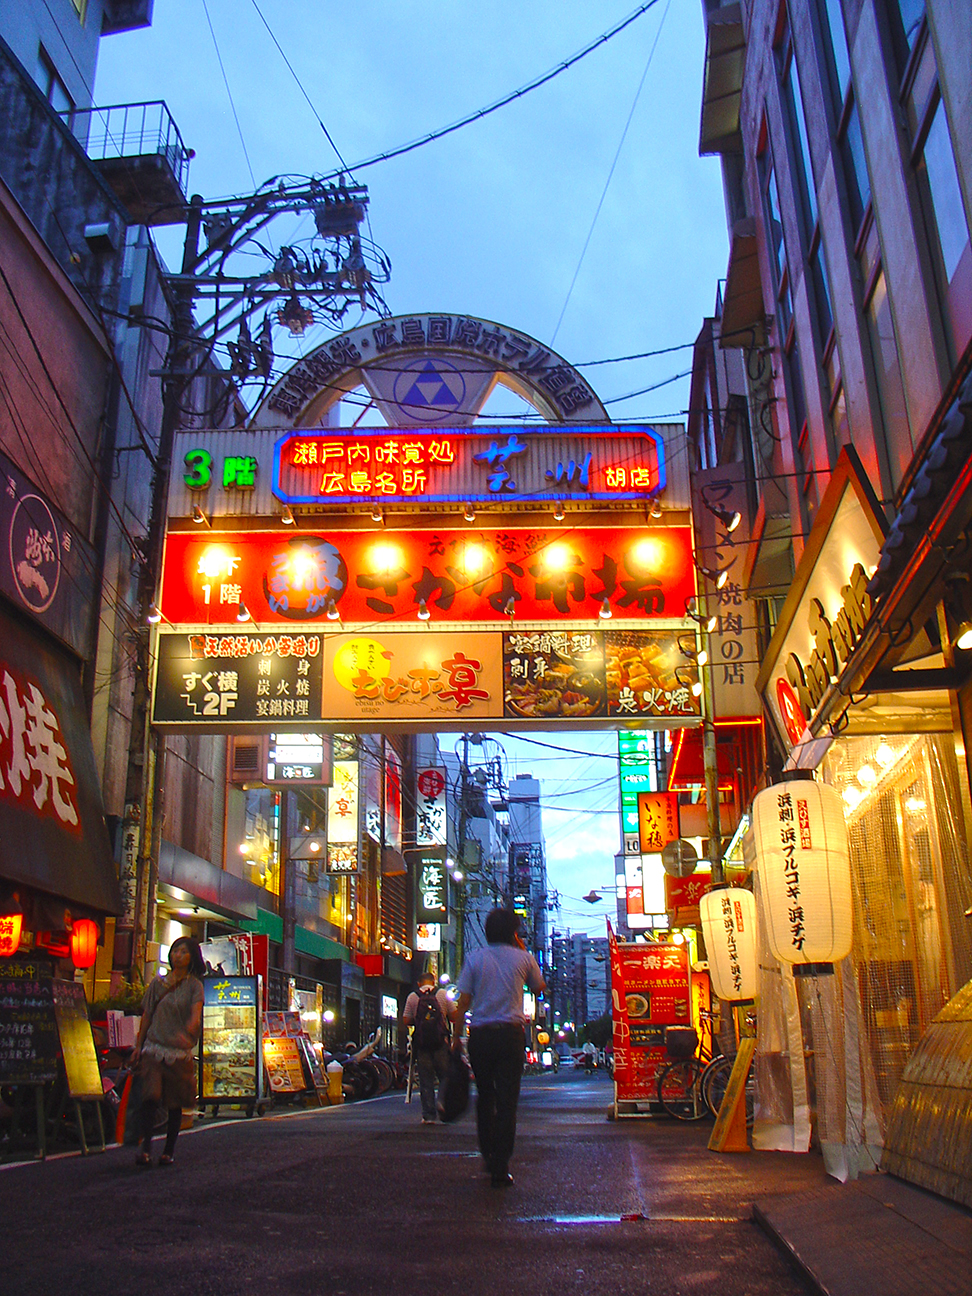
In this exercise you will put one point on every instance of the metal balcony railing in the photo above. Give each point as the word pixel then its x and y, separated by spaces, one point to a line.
pixel 130 131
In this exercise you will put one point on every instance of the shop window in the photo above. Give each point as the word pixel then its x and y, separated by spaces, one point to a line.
pixel 835 41
pixel 51 86
pixel 885 357
pixel 905 18
pixel 912 884
pixel 851 144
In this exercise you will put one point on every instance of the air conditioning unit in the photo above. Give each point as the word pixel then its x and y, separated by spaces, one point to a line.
pixel 248 758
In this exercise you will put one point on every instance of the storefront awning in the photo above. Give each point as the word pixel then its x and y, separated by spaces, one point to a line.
pixel 725 57
pixel 743 312
pixel 53 837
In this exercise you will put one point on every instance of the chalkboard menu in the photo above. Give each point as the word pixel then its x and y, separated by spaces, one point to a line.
pixel 29 1049
pixel 77 1042
pixel 231 1060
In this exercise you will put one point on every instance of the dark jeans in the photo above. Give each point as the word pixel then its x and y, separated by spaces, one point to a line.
pixel 431 1065
pixel 496 1055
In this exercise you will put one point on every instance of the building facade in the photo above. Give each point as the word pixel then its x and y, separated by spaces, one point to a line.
pixel 843 132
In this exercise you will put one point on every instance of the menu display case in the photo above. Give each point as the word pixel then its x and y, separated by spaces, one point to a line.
pixel 231 1057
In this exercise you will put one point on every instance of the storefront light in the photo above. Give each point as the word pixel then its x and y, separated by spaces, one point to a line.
pixel 885 755
pixel 328 1015
pixel 557 557
pixel 474 559
pixel 302 564
pixel 215 561
pixel 914 805
pixel 853 796
pixel 646 553
pixel 866 776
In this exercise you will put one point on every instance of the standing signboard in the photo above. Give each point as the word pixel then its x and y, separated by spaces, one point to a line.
pixel 29 1048
pixel 230 1044
pixel 77 1042
pixel 651 988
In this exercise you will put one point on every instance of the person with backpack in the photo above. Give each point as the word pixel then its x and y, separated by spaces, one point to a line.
pixel 428 1011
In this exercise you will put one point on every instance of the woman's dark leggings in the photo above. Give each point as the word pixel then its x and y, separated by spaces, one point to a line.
pixel 147 1125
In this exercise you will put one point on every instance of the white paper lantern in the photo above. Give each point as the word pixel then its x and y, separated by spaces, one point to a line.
pixel 803 861
pixel 729 926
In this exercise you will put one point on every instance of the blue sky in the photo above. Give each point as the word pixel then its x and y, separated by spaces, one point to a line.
pixel 490 221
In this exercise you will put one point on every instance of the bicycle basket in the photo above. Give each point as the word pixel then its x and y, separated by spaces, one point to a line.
pixel 681 1042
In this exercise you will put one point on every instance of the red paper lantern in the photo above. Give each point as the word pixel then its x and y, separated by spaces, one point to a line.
pixel 84 942
pixel 10 928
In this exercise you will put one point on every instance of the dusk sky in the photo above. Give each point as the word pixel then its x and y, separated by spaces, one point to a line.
pixel 491 221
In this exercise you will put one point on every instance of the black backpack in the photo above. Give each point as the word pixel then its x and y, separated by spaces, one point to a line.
pixel 430 1026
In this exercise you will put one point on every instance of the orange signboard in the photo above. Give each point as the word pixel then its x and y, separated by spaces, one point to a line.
pixel 657 820
pixel 413 676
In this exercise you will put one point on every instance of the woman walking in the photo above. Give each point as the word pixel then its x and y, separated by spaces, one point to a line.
pixel 165 1051
pixel 492 981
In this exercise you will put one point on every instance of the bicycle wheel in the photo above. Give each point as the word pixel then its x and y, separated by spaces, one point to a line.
pixel 715 1081
pixel 678 1090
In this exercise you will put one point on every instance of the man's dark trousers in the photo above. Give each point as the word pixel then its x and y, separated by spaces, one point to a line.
pixel 496 1055
pixel 431 1065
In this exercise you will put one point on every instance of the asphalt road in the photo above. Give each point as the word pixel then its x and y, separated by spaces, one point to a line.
pixel 364 1200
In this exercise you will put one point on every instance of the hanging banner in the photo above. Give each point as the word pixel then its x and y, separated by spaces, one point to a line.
pixel 466 575
pixel 431 885
pixel 342 805
pixel 430 806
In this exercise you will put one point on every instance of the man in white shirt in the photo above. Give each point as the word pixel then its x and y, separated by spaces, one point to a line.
pixel 492 982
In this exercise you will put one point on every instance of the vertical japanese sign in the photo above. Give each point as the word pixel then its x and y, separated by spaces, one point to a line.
pixel 431 885
pixel 657 820
pixel 733 643
pixel 636 768
pixel 342 818
pixel 430 806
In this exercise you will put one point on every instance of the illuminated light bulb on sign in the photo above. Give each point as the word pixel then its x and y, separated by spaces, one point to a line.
pixel 647 553
pixel 884 755
pixel 866 776
pixel 302 564
pixel 385 557
pixel 803 861
pixel 215 561
pixel 729 925
pixel 557 557
pixel 473 559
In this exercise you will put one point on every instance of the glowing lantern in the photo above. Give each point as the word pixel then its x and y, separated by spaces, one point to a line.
pixel 84 942
pixel 729 925
pixel 10 928
pixel 803 861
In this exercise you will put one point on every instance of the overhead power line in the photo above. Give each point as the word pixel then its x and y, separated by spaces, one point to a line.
pixel 535 84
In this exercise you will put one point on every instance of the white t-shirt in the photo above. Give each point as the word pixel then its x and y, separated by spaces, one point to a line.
pixel 494 977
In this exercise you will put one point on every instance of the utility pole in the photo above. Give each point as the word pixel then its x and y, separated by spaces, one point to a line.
pixel 344 268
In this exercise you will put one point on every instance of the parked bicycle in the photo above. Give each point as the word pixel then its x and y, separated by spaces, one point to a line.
pixel 693 1083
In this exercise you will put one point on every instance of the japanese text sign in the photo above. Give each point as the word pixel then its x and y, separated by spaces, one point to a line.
pixel 657 820
pixel 235 680
pixel 430 806
pixel 514 462
pixel 342 807
pixel 431 885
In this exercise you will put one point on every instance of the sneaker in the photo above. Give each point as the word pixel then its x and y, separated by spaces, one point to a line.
pixel 428 1120
pixel 502 1180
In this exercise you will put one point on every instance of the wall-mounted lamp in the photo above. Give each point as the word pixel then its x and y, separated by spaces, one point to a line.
pixel 559 514
pixel 153 616
pixel 604 611
pixel 963 639
pixel 655 511
pixel 718 578
pixel 287 516
pixel 198 516
pixel 469 513
pixel 423 613
pixel 510 608
pixel 377 514
pixel 332 612
pixel 243 612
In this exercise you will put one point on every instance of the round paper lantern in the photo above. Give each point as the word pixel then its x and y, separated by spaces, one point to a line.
pixel 729 926
pixel 84 942
pixel 803 860
pixel 11 926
